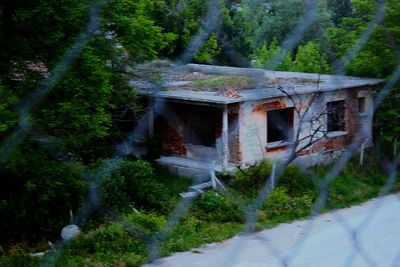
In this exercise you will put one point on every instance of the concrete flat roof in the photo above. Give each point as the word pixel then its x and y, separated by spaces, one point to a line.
pixel 189 83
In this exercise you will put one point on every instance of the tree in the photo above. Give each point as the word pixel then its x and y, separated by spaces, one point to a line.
pixel 310 58
pixel 208 51
pixel 376 58
pixel 265 56
pixel 132 26
pixel 74 122
pixel 266 21
pixel 8 118
pixel 340 9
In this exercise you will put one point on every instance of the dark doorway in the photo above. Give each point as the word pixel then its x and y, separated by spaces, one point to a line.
pixel 200 127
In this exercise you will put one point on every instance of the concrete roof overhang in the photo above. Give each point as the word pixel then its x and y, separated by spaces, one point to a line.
pixel 318 83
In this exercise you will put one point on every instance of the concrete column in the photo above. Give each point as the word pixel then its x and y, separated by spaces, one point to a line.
pixel 151 118
pixel 224 137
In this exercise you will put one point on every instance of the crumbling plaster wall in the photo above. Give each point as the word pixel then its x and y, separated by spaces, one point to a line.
pixel 253 125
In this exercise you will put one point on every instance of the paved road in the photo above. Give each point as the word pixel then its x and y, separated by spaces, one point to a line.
pixel 365 235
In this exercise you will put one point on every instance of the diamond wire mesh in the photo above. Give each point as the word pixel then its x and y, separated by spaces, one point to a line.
pixel 210 23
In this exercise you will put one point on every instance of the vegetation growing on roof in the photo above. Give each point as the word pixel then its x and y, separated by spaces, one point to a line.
pixel 221 82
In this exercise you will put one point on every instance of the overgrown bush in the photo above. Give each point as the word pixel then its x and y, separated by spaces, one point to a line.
pixel 370 172
pixel 134 184
pixel 18 256
pixel 113 243
pixel 296 181
pixel 37 193
pixel 249 181
pixel 151 222
pixel 193 232
pixel 346 190
pixel 108 244
pixel 218 208
pixel 281 206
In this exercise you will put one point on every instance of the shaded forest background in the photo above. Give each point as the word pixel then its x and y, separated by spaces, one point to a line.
pixel 90 107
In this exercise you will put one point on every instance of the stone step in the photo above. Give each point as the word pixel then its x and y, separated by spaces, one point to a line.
pixel 201 186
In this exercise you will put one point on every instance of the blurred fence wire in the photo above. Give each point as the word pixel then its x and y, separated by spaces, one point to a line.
pixel 211 22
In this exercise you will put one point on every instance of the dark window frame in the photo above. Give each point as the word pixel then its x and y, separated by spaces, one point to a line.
pixel 336 115
pixel 280 123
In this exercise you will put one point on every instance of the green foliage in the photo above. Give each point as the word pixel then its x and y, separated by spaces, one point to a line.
pixel 296 182
pixel 113 244
pixel 135 28
pixel 39 30
pixel 193 232
pixel 250 180
pixel 8 117
pixel 222 82
pixel 340 9
pixel 280 206
pixel 184 21
pixel 109 244
pixel 80 116
pixel 387 121
pixel 345 191
pixel 18 257
pixel 310 58
pixel 266 21
pixel 66 260
pixel 370 173
pixel 77 120
pixel 208 51
pixel 218 208
pixel 56 187
pixel 134 184
pixel 150 222
pixel 267 56
pixel 356 183
pixel 377 58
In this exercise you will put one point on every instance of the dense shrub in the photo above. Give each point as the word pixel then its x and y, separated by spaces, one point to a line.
pixel 17 256
pixel 218 208
pixel 346 190
pixel 134 184
pixel 108 244
pixel 36 194
pixel 281 206
pixel 370 172
pixel 151 222
pixel 193 232
pixel 249 181
pixel 296 181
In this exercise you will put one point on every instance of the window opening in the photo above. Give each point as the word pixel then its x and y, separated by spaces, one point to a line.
pixel 361 104
pixel 280 125
pixel 336 116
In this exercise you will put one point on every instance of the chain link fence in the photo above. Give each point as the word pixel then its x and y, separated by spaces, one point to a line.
pixel 210 23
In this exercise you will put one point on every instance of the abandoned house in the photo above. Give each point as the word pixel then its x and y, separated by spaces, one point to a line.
pixel 221 117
